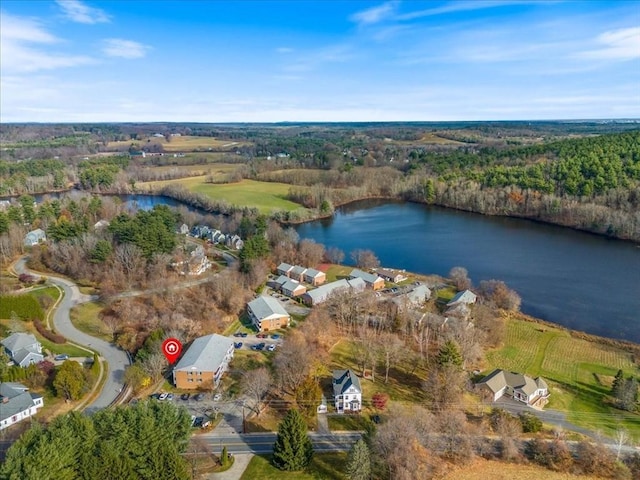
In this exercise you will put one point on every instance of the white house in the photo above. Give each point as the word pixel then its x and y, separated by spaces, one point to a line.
pixel 16 403
pixel 466 297
pixel 533 392
pixel 347 392
pixel 35 237
pixel 206 359
pixel 23 348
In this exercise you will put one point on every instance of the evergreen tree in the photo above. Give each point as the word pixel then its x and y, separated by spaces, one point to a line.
pixel 359 462
pixel 449 354
pixel 292 450
pixel 618 381
pixel 224 457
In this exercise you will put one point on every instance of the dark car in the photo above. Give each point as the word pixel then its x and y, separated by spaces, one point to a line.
pixel 185 396
pixel 275 336
pixel 198 422
pixel 237 345
pixel 261 346
pixel 237 334
pixel 169 396
pixel 198 397
pixel 244 334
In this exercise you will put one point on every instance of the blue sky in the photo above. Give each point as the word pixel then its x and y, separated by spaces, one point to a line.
pixel 262 61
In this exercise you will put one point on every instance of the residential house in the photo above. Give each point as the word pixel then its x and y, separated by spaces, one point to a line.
pixel 371 279
pixel 532 391
pixel 297 273
pixel 284 269
pixel 314 277
pixel 347 392
pixel 35 237
pixel 292 289
pixel 416 296
pixel 266 313
pixel 16 403
pixel 23 348
pixel 323 292
pixel 390 275
pixel 204 362
pixel 200 231
pixel 100 224
pixel 184 229
pixel 234 241
pixel 466 297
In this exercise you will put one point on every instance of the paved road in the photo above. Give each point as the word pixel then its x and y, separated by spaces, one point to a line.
pixel 261 443
pixel 115 358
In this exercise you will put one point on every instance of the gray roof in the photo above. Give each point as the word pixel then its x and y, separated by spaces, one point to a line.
pixel 263 307
pixel 498 379
pixel 298 270
pixel 320 294
pixel 282 279
pixel 24 354
pixel 343 380
pixel 284 267
pixel 205 353
pixel 18 399
pixel 290 285
pixel 465 296
pixel 18 341
pixel 312 272
pixel 367 277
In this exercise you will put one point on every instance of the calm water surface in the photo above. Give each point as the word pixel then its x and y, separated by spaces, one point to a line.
pixel 582 281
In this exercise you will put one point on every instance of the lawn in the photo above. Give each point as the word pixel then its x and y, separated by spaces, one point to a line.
pixel 85 318
pixel 336 272
pixel 404 383
pixel 348 422
pixel 265 196
pixel 325 466
pixel 577 370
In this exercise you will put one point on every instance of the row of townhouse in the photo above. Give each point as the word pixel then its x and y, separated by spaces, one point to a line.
pixel 212 235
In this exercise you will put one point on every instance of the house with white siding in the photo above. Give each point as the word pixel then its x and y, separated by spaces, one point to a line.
pixel 17 404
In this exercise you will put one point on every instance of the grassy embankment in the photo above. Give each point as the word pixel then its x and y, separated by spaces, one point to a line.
pixel 265 196
pixel 579 372
pixel 85 318
pixel 328 466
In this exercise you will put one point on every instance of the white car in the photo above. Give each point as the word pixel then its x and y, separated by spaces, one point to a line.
pixel 163 396
pixel 217 397
pixel 271 347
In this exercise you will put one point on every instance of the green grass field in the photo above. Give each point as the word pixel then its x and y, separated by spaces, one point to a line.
pixel 325 466
pixel 265 196
pixel 85 318
pixel 578 372
pixel 184 144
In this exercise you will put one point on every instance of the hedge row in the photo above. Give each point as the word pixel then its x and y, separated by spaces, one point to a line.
pixel 48 334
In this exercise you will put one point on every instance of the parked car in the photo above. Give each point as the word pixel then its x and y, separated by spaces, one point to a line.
pixel 261 335
pixel 185 396
pixel 162 396
pixel 169 396
pixel 244 334
pixel 155 396
pixel 275 336
pixel 271 347
pixel 62 356
pixel 237 334
pixel 217 397
pixel 198 397
pixel 237 345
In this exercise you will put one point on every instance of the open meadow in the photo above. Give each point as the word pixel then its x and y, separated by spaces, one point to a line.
pixel 579 372
pixel 265 196
pixel 184 143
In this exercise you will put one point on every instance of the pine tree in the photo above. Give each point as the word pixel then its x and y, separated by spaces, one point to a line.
pixel 359 462
pixel 292 450
pixel 449 354
pixel 618 382
pixel 224 457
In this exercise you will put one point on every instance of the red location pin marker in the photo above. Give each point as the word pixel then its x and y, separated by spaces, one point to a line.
pixel 171 348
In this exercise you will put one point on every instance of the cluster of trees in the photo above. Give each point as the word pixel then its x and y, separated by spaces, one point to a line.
pixel 144 441
pixel 624 390
pixel 24 306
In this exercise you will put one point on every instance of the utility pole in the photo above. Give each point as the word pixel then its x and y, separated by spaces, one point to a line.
pixel 244 423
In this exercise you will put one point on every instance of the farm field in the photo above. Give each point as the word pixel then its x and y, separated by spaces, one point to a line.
pixel 183 144
pixel 579 372
pixel 266 196
pixel 483 469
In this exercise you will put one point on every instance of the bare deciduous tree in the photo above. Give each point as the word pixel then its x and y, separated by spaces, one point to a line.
pixel 256 384
pixel 460 278
pixel 365 259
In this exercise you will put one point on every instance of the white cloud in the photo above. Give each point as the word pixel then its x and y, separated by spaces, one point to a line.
pixel 23 47
pixel 621 44
pixel 76 11
pixel 464 6
pixel 374 14
pixel 118 47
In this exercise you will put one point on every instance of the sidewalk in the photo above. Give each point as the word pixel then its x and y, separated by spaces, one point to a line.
pixel 235 472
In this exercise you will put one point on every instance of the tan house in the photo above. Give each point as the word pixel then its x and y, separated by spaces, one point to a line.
pixel 284 269
pixel 204 362
pixel 266 313
pixel 370 279
pixel 293 289
pixel 532 391
pixel 297 273
pixel 314 277
pixel 391 275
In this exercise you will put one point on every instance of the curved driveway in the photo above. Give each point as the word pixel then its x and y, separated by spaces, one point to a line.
pixel 115 358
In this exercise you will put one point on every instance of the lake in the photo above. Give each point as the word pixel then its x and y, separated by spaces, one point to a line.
pixel 579 280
